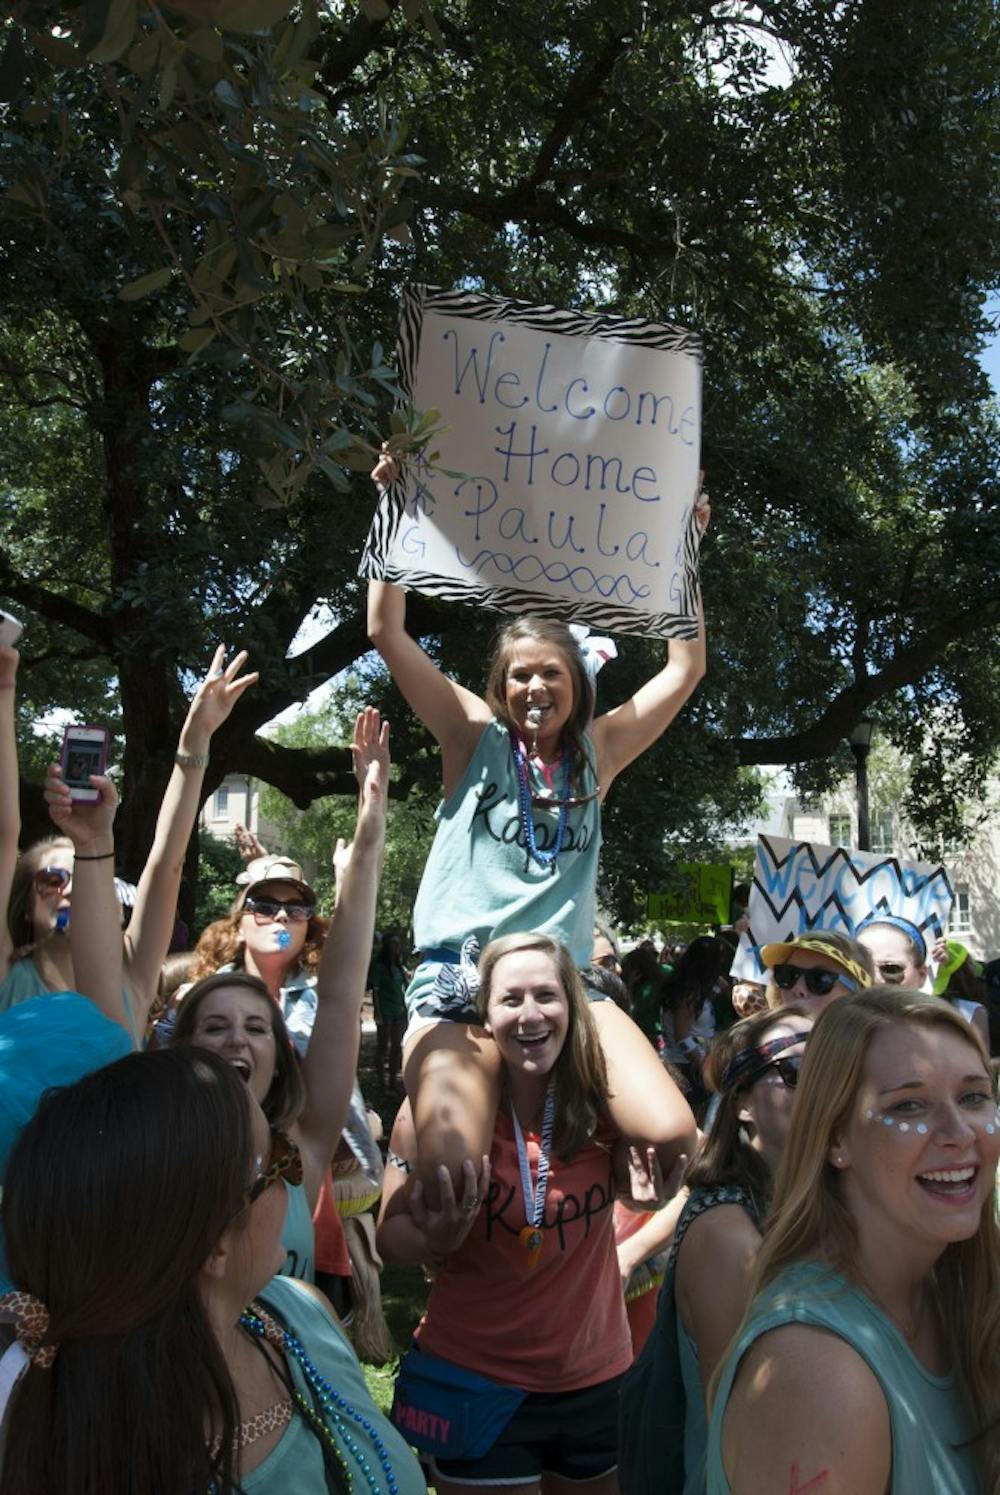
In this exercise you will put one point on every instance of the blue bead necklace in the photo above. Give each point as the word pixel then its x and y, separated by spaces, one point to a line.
pixel 525 805
pixel 335 1413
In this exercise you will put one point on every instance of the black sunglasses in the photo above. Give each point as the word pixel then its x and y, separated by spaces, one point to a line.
pixel 819 983
pixel 269 908
pixel 788 1071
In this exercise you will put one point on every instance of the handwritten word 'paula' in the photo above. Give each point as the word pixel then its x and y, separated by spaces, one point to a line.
pixel 576 398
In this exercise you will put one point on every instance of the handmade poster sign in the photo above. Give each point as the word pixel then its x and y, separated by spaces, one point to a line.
pixel 572 444
pixel 798 887
pixel 702 895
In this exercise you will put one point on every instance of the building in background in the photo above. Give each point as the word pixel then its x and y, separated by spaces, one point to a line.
pixel 235 802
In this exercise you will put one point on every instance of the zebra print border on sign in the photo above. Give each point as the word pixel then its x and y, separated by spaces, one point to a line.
pixel 611 616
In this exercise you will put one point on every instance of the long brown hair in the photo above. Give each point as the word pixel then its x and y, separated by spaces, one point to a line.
pixel 116 1193
pixel 558 636
pixel 725 1155
pixel 811 1220
pixel 287 1093
pixel 22 931
pixel 221 943
pixel 580 1073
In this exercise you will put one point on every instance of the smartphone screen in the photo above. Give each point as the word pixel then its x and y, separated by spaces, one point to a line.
pixel 85 751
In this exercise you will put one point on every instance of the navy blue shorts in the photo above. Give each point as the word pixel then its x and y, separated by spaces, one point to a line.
pixel 570 1433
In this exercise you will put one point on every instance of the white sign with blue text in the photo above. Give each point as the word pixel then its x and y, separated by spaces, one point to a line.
pixel 568 464
pixel 802 888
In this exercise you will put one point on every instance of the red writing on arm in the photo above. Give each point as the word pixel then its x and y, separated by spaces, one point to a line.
pixel 796 1488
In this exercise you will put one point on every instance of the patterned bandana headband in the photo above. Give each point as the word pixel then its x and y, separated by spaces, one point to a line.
pixel 745 1068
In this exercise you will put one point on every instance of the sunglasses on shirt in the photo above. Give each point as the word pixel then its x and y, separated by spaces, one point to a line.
pixel 819 983
pixel 52 880
pixel 265 909
pixel 285 1162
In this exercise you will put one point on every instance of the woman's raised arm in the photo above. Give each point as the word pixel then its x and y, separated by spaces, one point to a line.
pixel 453 715
pixel 152 923
pixel 95 926
pixel 331 1059
pixel 623 734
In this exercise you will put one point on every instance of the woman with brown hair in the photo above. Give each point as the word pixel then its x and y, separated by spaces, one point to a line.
pixel 525 768
pixel 753 1068
pixel 36 888
pixel 526 1290
pixel 152 1351
pixel 869 1360
pixel 234 1013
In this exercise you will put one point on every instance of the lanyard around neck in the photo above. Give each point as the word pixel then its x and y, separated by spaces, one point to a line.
pixel 534 1198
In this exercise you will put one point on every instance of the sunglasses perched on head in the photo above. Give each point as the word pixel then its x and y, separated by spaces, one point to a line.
pixel 819 983
pixel 285 1162
pixel 52 879
pixel 265 909
pixel 787 1070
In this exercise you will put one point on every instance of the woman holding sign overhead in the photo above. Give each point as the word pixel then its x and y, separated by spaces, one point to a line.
pixel 525 768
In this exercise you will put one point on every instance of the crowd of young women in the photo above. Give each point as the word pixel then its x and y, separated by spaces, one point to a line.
pixel 830 1315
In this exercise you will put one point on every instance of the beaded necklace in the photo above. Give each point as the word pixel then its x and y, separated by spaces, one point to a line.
pixel 525 805
pixel 329 1412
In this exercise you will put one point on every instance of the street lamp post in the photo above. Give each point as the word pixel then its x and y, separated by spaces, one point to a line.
pixel 861 746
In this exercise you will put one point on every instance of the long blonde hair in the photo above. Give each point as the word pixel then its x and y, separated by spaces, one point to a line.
pixel 580 1073
pixel 809 1218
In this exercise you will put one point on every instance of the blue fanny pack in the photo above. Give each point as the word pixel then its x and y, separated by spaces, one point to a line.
pixel 448 1411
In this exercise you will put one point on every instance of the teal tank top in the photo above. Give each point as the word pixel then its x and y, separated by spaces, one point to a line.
pixel 480 878
pixel 929 1417
pixel 295 1465
pixel 24 981
pixel 297 1236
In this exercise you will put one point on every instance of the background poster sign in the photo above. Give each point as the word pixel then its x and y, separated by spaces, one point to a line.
pixel 702 896
pixel 575 440
pixel 798 887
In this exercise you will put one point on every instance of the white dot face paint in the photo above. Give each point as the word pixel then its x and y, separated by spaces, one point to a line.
pixel 922 1128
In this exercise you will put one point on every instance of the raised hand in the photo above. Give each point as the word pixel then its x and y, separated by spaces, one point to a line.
pixel 214 699
pixel 386 469
pixel 248 845
pixel 445 1229
pixel 86 825
pixel 370 754
pixel 702 507
pixel 641 1185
